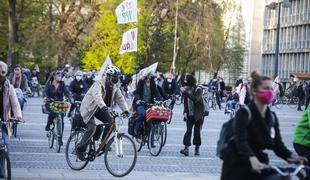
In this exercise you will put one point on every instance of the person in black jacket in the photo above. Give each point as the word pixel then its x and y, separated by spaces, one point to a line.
pixel 78 89
pixel 301 96
pixel 245 158
pixel 55 89
pixel 146 91
pixel 193 114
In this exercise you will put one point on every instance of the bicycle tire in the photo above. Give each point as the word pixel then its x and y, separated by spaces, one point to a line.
pixel 159 132
pixel 50 138
pixel 292 102
pixel 74 137
pixel 6 163
pixel 170 118
pixel 213 104
pixel 59 134
pixel 140 145
pixel 165 134
pixel 15 129
pixel 107 152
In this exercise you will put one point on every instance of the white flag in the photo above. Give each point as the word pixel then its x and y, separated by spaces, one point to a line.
pixel 143 72
pixel 126 12
pixel 106 63
pixel 130 41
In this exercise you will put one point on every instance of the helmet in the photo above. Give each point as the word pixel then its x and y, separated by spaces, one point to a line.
pixel 113 71
pixel 78 73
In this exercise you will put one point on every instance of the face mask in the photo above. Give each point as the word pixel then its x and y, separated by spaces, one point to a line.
pixel 114 80
pixel 78 78
pixel 265 96
pixel 169 80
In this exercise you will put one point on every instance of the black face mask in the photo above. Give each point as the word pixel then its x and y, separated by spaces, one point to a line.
pixel 114 80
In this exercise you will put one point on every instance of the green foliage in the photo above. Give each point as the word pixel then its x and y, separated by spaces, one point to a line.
pixel 106 37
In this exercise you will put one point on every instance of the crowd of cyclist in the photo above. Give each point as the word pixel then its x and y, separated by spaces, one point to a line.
pixel 256 127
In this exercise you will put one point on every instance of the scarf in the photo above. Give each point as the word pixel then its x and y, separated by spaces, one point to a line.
pixel 17 81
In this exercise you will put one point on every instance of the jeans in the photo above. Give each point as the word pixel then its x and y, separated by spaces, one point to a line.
pixel 102 115
pixel 141 119
pixel 5 138
pixel 190 123
pixel 303 151
pixel 230 104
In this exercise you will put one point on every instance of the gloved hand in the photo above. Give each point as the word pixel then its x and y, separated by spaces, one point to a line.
pixel 256 164
pixel 295 159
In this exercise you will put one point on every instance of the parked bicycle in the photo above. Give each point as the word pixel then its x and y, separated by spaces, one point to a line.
pixel 5 163
pixel 120 153
pixel 289 172
pixel 59 108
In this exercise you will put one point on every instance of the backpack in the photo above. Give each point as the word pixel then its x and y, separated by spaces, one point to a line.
pixel 206 108
pixel 226 135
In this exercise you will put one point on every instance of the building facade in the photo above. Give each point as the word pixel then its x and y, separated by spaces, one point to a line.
pixel 294 41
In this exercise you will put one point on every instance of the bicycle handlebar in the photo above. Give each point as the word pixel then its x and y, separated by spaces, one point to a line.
pixel 10 120
pixel 287 171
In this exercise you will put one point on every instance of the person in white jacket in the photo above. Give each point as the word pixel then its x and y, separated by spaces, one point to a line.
pixel 243 92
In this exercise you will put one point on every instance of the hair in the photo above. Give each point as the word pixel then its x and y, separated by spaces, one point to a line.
pixel 257 79
pixel 191 80
pixel 4 66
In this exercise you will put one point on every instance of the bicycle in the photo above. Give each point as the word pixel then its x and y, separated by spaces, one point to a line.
pixel 57 108
pixel 178 99
pixel 113 147
pixel 5 163
pixel 212 100
pixel 154 131
pixel 280 101
pixel 287 173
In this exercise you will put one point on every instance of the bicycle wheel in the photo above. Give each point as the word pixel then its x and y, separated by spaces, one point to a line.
pixel 178 100
pixel 165 133
pixel 292 102
pixel 213 104
pixel 155 139
pixel 280 102
pixel 5 165
pixel 50 137
pixel 170 118
pixel 15 129
pixel 121 155
pixel 70 152
pixel 59 135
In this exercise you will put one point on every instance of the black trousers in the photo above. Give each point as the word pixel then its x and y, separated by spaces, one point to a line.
pixel 303 151
pixel 301 102
pixel 190 123
pixel 102 115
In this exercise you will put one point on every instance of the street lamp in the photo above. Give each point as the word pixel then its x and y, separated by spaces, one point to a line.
pixel 274 5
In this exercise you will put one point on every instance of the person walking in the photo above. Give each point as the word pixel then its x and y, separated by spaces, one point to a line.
pixel 193 114
pixel 307 95
pixel 255 129
pixel 300 95
pixel 301 140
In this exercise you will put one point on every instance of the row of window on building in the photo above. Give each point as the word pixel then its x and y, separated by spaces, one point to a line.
pixel 288 63
pixel 295 37
pixel 298 12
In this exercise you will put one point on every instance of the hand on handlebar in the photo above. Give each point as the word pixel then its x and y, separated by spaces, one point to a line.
pixel 295 159
pixel 257 165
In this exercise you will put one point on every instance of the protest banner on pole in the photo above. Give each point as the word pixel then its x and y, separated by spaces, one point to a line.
pixel 127 12
pixel 106 63
pixel 143 72
pixel 129 41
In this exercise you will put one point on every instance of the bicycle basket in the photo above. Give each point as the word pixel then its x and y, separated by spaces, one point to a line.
pixel 58 107
pixel 157 113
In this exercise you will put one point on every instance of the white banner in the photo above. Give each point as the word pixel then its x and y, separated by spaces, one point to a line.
pixel 127 12
pixel 130 41
pixel 143 72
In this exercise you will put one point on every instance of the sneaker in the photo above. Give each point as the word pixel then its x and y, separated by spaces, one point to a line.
pixel 185 152
pixel 80 155
pixel 197 153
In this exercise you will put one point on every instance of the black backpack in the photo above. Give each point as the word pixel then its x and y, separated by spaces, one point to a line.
pixel 227 135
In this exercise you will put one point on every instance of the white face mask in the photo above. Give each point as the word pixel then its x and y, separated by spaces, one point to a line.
pixel 78 78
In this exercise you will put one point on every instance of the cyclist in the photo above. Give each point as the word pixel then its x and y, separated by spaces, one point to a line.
pixel 102 94
pixel 55 89
pixel 78 88
pixel 302 137
pixel 146 91
pixel 8 103
pixel 89 80
pixel 255 130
